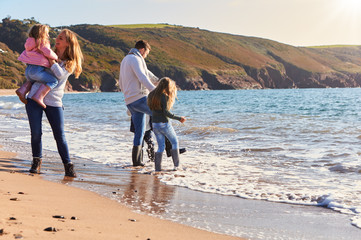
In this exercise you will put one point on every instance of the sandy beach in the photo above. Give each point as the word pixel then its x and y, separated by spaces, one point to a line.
pixel 6 92
pixel 28 205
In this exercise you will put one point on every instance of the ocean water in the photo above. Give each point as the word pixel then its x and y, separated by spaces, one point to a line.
pixel 295 146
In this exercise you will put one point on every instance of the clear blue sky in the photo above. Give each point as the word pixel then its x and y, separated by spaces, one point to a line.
pixel 294 22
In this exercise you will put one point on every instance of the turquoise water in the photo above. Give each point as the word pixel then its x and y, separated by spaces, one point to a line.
pixel 297 146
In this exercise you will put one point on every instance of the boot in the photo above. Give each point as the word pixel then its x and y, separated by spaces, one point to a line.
pixel 168 148
pixel 69 170
pixel 175 157
pixel 40 94
pixel 137 156
pixel 158 161
pixel 36 165
pixel 23 90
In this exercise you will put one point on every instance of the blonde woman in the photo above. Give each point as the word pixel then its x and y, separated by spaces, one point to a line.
pixel 70 60
pixel 160 101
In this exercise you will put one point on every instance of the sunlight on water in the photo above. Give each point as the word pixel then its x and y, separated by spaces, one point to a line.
pixel 298 146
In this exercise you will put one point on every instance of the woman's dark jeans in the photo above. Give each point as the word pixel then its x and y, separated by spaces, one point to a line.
pixel 55 117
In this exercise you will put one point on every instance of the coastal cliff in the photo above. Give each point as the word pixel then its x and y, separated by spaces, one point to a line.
pixel 196 59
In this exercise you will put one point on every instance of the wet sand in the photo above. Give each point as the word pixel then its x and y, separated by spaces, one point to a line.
pixel 28 204
pixel 146 195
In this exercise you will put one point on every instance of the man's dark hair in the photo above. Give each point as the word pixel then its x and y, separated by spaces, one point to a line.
pixel 142 44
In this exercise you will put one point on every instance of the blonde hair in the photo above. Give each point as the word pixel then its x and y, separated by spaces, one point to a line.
pixel 72 54
pixel 40 33
pixel 165 86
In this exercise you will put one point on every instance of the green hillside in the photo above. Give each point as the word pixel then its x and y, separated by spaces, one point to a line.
pixel 198 59
pixel 142 25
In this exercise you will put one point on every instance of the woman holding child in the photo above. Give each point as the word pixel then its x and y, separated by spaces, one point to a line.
pixel 69 62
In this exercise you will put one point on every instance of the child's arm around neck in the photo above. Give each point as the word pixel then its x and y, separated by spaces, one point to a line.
pixel 30 44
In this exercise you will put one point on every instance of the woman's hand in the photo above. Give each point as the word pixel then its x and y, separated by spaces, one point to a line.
pixel 183 119
pixel 51 61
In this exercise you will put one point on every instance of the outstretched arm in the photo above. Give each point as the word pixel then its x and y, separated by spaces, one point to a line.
pixel 167 113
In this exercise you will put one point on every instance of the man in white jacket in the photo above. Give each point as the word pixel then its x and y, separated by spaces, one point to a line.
pixel 135 83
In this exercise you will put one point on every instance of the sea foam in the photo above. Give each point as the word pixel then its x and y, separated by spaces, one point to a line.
pixel 11 105
pixel 296 155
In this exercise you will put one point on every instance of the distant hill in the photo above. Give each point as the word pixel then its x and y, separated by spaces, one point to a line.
pixel 194 58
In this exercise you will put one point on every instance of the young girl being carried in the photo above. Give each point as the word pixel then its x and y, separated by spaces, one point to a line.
pixel 160 101
pixel 36 55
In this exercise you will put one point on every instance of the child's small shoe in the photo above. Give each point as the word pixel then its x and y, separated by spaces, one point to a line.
pixel 40 94
pixel 23 90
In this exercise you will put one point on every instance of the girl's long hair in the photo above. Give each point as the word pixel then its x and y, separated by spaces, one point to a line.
pixel 39 32
pixel 165 86
pixel 72 54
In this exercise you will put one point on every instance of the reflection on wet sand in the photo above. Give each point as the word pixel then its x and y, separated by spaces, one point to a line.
pixel 15 164
pixel 141 192
pixel 147 193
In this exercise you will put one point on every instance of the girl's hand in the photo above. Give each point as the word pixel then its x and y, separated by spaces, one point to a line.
pixel 183 119
pixel 51 61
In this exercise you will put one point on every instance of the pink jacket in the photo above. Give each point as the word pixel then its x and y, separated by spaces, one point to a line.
pixel 35 56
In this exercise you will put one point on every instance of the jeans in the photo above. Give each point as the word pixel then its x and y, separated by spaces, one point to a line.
pixel 162 130
pixel 40 74
pixel 139 109
pixel 55 117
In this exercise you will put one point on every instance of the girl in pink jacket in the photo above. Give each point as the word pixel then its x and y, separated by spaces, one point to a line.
pixel 36 55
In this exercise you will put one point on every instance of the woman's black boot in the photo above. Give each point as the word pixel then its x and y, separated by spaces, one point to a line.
pixel 36 165
pixel 69 170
